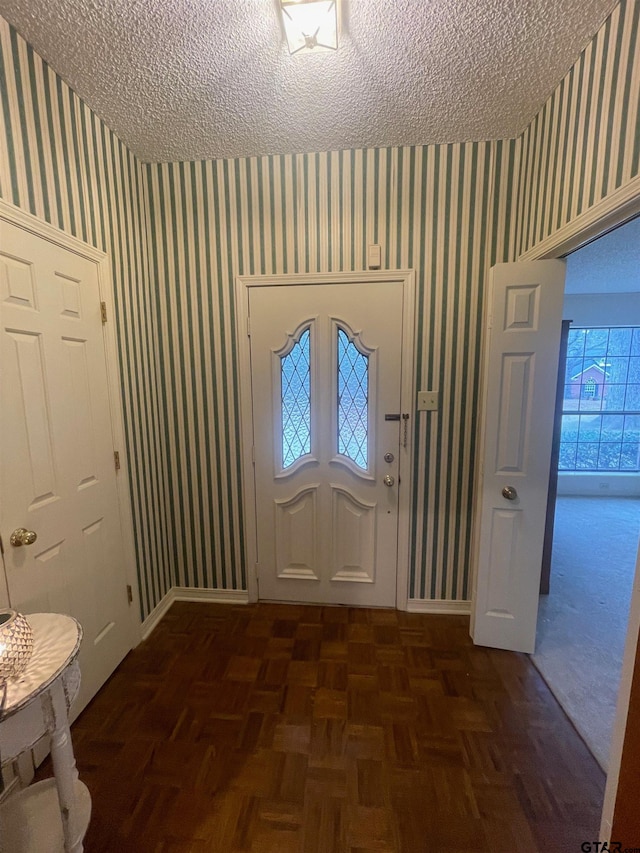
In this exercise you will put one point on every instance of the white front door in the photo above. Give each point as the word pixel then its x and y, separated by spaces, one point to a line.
pixel 520 372
pixel 326 383
pixel 58 478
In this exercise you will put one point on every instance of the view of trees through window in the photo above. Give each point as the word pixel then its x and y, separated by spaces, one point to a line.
pixel 601 406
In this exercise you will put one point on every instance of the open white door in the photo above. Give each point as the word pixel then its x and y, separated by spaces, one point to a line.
pixel 520 371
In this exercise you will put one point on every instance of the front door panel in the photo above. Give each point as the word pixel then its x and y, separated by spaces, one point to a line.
pixel 326 379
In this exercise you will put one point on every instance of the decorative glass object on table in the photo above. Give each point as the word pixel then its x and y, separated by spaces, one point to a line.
pixel 16 648
pixel 16 644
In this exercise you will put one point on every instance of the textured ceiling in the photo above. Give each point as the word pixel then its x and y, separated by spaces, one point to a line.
pixel 192 79
pixel 610 264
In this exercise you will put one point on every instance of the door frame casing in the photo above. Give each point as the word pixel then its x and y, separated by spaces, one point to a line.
pixel 243 284
pixel 44 230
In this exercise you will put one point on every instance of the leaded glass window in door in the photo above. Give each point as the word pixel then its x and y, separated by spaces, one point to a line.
pixel 295 375
pixel 353 401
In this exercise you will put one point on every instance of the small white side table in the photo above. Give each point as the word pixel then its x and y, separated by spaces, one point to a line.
pixel 50 816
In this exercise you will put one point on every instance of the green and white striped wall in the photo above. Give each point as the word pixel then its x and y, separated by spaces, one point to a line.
pixel 59 162
pixel 432 209
pixel 178 233
pixel 585 142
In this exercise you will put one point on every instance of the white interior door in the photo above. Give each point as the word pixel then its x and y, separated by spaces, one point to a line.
pixel 58 477
pixel 326 383
pixel 520 372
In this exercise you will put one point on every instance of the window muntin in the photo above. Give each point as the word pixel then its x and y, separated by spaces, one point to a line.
pixel 295 377
pixel 601 406
pixel 353 401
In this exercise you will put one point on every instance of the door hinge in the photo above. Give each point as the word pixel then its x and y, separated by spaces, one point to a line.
pixel 1 546
pixel 129 594
pixel 103 312
pixel 249 326
pixel 116 459
pixel 253 454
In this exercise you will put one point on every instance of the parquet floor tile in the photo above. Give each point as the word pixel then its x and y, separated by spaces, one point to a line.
pixel 278 728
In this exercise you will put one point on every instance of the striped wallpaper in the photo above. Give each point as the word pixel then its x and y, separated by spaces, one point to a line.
pixel 178 233
pixel 585 141
pixel 432 209
pixel 59 162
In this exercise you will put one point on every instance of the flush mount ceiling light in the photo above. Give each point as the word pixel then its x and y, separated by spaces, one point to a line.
pixel 310 25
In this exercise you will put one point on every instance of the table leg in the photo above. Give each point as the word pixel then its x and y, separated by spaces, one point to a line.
pixel 64 766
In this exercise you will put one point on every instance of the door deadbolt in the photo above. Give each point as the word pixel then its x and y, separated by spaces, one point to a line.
pixel 389 457
pixel 22 536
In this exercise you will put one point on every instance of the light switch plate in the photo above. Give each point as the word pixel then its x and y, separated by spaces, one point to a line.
pixel 427 401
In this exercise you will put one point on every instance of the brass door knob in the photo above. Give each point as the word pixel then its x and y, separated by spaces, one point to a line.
pixel 22 536
pixel 388 480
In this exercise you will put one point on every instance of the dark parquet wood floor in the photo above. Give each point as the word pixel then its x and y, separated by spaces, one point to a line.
pixel 289 729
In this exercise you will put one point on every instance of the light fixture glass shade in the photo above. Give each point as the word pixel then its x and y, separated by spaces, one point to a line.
pixel 310 25
pixel 16 643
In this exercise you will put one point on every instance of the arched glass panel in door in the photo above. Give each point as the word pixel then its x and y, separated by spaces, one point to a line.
pixel 295 375
pixel 353 401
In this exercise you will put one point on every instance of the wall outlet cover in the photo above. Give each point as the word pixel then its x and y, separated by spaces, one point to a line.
pixel 427 401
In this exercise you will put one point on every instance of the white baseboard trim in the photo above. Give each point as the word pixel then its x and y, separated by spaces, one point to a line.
pixel 601 484
pixel 156 614
pixel 190 593
pixel 432 605
pixel 217 596
pixel 241 596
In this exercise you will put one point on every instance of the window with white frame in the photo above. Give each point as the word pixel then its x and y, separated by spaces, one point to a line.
pixel 601 406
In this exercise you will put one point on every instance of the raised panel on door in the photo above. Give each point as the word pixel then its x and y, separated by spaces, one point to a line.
pixel 27 402
pixel 17 281
pixel 506 530
pixel 83 459
pixel 296 532
pixel 71 291
pixel 354 532
pixel 514 418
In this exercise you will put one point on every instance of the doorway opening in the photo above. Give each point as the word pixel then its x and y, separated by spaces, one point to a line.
pixel 582 620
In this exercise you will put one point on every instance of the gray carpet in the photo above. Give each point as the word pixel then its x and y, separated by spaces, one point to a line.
pixel 582 623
